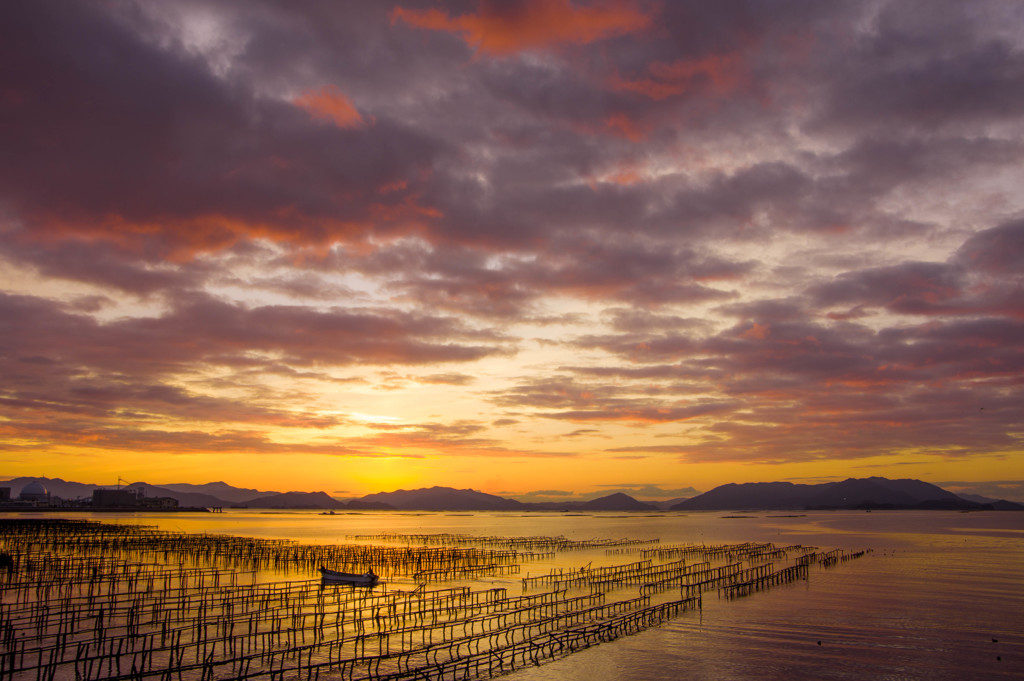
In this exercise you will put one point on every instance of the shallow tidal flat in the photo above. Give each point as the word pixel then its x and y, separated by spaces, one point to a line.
pixel 102 600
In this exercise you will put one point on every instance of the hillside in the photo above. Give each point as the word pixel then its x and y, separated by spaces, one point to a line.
pixel 443 499
pixel 297 500
pixel 185 499
pixel 220 490
pixel 616 502
pixel 872 492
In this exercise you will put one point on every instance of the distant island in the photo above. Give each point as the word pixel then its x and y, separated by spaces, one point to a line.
pixel 873 493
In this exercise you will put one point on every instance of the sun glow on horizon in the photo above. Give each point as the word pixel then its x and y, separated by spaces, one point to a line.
pixel 471 246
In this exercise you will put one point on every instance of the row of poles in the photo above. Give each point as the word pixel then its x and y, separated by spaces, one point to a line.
pixel 90 600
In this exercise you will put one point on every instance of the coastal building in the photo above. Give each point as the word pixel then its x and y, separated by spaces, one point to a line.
pixel 159 503
pixel 130 499
pixel 35 493
pixel 114 498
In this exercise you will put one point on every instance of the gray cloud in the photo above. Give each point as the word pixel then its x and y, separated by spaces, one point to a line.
pixel 757 229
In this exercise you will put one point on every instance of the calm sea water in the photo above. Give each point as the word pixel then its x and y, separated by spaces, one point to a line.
pixel 941 595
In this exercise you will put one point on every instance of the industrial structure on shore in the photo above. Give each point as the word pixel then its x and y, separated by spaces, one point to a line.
pixel 35 496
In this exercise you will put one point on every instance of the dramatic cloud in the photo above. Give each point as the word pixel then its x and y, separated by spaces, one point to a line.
pixel 330 104
pixel 507 27
pixel 635 239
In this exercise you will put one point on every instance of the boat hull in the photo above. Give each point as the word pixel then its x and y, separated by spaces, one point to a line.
pixel 334 577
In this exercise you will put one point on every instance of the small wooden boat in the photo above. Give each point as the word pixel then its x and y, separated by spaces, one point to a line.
pixel 334 577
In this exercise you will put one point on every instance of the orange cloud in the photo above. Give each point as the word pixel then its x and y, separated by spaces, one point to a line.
pixel 330 104
pixel 757 331
pixel 626 177
pixel 719 73
pixel 505 28
pixel 408 208
pixel 623 126
pixel 181 239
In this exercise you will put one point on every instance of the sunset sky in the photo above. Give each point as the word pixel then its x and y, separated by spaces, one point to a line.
pixel 542 249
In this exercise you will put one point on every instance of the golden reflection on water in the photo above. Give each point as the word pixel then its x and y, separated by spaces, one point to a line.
pixel 941 596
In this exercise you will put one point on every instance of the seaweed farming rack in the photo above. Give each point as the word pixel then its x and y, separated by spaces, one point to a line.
pixel 90 600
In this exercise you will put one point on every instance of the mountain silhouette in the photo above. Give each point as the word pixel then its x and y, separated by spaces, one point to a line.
pixel 220 490
pixel 874 492
pixel 298 500
pixel 444 499
pixel 616 502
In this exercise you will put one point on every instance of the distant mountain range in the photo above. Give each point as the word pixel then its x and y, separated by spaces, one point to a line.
pixel 220 490
pixel 854 493
pixel 444 499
